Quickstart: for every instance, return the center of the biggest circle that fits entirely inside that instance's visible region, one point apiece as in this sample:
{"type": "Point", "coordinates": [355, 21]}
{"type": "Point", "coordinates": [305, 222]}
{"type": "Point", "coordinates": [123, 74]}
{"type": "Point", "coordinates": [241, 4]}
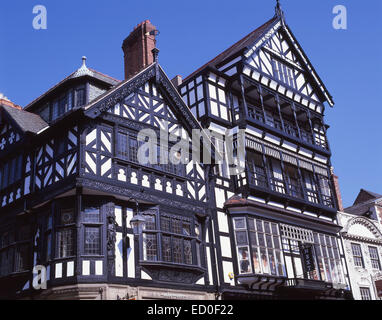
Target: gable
{"type": "Point", "coordinates": [149, 98]}
{"type": "Point", "coordinates": [364, 196]}
{"type": "Point", "coordinates": [360, 227]}
{"type": "Point", "coordinates": [278, 57]}
{"type": "Point", "coordinates": [360, 231]}
{"type": "Point", "coordinates": [146, 105]}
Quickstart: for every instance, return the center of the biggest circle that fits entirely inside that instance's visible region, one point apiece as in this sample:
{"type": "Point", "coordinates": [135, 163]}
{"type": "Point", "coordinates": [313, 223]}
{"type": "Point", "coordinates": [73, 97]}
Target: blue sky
{"type": "Point", "coordinates": [193, 32]}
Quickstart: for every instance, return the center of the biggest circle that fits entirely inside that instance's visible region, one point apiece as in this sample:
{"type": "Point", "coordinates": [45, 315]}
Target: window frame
{"type": "Point", "coordinates": [365, 292]}
{"type": "Point", "coordinates": [91, 223]}
{"type": "Point", "coordinates": [157, 229]}
{"type": "Point", "coordinates": [61, 227]}
{"type": "Point", "coordinates": [357, 258]}
{"type": "Point", "coordinates": [374, 259]}
{"type": "Point", "coordinates": [178, 170]}
{"type": "Point", "coordinates": [250, 245]}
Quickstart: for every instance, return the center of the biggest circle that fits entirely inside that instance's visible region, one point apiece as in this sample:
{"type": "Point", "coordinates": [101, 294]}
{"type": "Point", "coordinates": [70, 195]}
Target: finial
{"type": "Point", "coordinates": [279, 11]}
{"type": "Point", "coordinates": [84, 61]}
{"type": "Point", "coordinates": [155, 52]}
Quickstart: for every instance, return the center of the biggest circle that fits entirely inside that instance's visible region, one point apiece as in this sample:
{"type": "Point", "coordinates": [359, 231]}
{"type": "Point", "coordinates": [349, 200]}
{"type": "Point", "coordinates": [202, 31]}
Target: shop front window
{"type": "Point", "coordinates": [258, 247]}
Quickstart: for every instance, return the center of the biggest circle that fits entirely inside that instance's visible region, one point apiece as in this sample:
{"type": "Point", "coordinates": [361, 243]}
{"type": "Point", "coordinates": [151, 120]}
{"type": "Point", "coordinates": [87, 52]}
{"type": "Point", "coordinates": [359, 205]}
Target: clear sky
{"type": "Point", "coordinates": [193, 32]}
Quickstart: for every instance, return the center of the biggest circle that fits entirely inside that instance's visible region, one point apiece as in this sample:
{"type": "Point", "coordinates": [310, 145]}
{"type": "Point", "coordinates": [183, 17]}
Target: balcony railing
{"type": "Point", "coordinates": [256, 113]}
{"type": "Point", "coordinates": [258, 178]}
{"type": "Point", "coordinates": [277, 185]}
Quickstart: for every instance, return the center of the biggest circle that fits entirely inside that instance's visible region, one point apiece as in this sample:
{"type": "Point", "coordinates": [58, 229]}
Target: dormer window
{"type": "Point", "coordinates": [284, 73]}
{"type": "Point", "coordinates": [74, 97]}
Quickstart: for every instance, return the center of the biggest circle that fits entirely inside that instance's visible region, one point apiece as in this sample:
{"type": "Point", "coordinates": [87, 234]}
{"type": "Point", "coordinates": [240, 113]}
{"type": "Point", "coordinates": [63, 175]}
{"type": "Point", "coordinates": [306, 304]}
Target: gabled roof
{"type": "Point", "coordinates": [110, 98]}
{"type": "Point", "coordinates": [363, 204]}
{"type": "Point", "coordinates": [114, 95]}
{"type": "Point", "coordinates": [365, 196]}
{"type": "Point", "coordinates": [83, 71]}
{"type": "Point", "coordinates": [245, 46]}
{"type": "Point", "coordinates": [25, 121]}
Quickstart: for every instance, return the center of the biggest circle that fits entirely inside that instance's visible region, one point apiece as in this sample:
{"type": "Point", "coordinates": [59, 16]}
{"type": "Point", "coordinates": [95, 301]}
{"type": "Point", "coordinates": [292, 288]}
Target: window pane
{"type": "Point", "coordinates": [241, 237]}
{"type": "Point", "coordinates": [133, 149]}
{"type": "Point", "coordinates": [150, 247]}
{"type": "Point", "coordinates": [272, 262]}
{"type": "Point", "coordinates": [269, 241]}
{"type": "Point", "coordinates": [67, 216]}
{"type": "Point", "coordinates": [91, 214]}
{"type": "Point", "coordinates": [276, 242]}
{"type": "Point", "coordinates": [251, 224]}
{"type": "Point", "coordinates": [166, 248]}
{"type": "Point", "coordinates": [177, 249]}
{"type": "Point", "coordinates": [122, 146]}
{"type": "Point", "coordinates": [275, 229]}
{"type": "Point", "coordinates": [65, 241]}
{"type": "Point", "coordinates": [176, 226]}
{"type": "Point", "coordinates": [264, 260]}
{"type": "Point", "coordinates": [365, 293]}
{"type": "Point", "coordinates": [150, 222]}
{"type": "Point", "coordinates": [267, 227]}
{"type": "Point", "coordinates": [256, 260]}
{"type": "Point", "coordinates": [22, 258]}
{"type": "Point", "coordinates": [165, 224]}
{"type": "Point", "coordinates": [244, 260]}
{"type": "Point", "coordinates": [261, 239]}
{"type": "Point", "coordinates": [259, 225]}
{"type": "Point", "coordinates": [280, 264]}
{"type": "Point", "coordinates": [92, 241]}
{"type": "Point", "coordinates": [239, 223]}
{"type": "Point", "coordinates": [187, 252]}
{"type": "Point", "coordinates": [186, 229]}
{"type": "Point", "coordinates": [253, 238]}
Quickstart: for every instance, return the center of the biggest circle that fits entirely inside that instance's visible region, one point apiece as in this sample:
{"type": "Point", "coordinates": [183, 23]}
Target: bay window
{"type": "Point", "coordinates": [179, 238]}
{"type": "Point", "coordinates": [258, 247]}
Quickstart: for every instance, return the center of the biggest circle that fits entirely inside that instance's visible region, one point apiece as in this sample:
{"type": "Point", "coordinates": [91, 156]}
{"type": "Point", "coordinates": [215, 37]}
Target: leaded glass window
{"type": "Point", "coordinates": [92, 241]}
{"type": "Point", "coordinates": [65, 243]}
{"type": "Point", "coordinates": [91, 215]}
{"type": "Point", "coordinates": [178, 238]}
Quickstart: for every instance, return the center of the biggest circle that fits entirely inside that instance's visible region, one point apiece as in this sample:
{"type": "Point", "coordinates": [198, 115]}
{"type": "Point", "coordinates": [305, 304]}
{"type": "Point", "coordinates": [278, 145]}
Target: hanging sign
{"type": "Point", "coordinates": [306, 251]}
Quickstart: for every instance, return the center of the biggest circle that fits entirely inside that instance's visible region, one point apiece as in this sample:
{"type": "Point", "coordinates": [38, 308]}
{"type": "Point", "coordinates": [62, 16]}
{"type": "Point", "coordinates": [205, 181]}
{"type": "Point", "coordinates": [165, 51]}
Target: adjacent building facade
{"type": "Point", "coordinates": [362, 239]}
{"type": "Point", "coordinates": [71, 181]}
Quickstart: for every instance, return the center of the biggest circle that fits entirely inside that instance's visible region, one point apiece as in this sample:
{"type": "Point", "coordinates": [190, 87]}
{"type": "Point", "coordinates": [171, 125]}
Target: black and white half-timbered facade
{"type": "Point", "coordinates": [71, 181]}
{"type": "Point", "coordinates": [276, 222]}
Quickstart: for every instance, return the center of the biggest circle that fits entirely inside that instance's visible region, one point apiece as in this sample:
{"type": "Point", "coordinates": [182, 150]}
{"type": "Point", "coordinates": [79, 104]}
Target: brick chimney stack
{"type": "Point", "coordinates": [137, 48]}
{"type": "Point", "coordinates": [337, 191]}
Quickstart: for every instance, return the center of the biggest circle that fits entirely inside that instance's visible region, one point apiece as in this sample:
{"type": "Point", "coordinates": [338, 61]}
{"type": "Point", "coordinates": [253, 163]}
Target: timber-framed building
{"type": "Point", "coordinates": [71, 181]}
